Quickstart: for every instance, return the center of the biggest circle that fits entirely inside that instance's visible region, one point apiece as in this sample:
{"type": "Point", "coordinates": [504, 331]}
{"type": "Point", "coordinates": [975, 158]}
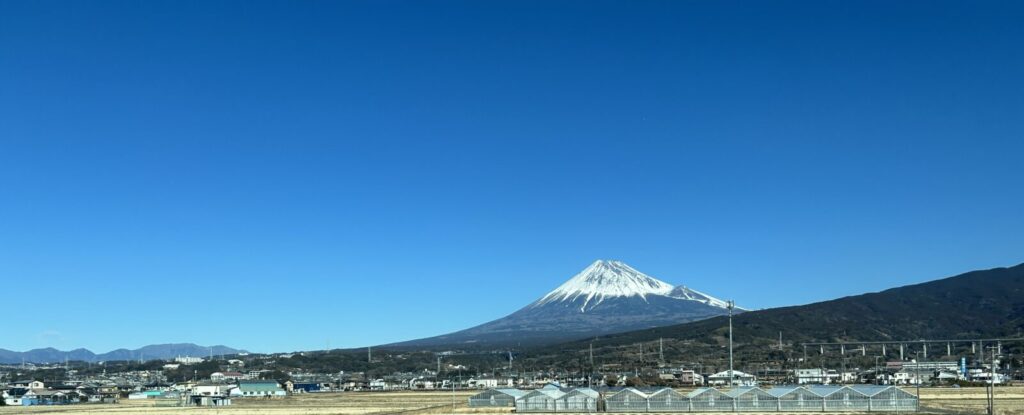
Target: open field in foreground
{"type": "Point", "coordinates": [1010, 401]}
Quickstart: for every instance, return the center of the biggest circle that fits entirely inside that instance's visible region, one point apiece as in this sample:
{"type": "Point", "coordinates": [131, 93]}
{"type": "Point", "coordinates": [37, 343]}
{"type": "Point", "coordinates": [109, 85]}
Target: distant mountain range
{"type": "Point", "coordinates": [606, 297]}
{"type": "Point", "coordinates": [977, 304]}
{"type": "Point", "coordinates": [151, 352]}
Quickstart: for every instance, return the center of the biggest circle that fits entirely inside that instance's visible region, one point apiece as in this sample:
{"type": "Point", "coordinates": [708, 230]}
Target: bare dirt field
{"type": "Point", "coordinates": [1009, 401]}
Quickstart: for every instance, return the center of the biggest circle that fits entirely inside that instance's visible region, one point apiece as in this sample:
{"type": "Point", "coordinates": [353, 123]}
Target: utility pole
{"type": "Point", "coordinates": [590, 377]}
{"type": "Point", "coordinates": [990, 390]}
{"type": "Point", "coordinates": [917, 377]}
{"type": "Point", "coordinates": [876, 369]}
{"type": "Point", "coordinates": [732, 304]}
{"type": "Point", "coordinates": [369, 354]}
{"type": "Point", "coordinates": [661, 351]}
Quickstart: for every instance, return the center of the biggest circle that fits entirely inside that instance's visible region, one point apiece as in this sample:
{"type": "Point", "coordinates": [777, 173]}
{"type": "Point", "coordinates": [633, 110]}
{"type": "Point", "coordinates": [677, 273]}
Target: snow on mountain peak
{"type": "Point", "coordinates": [604, 279]}
{"type": "Point", "coordinates": [684, 293]}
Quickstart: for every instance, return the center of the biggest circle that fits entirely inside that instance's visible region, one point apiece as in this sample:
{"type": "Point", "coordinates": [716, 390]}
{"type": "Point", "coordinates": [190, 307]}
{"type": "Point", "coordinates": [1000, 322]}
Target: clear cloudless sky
{"type": "Point", "coordinates": [290, 175]}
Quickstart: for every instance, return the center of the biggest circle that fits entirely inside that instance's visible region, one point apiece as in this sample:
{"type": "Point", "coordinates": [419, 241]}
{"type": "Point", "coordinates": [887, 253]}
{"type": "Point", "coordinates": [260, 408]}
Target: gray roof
{"type": "Point", "coordinates": [630, 391]}
{"type": "Point", "coordinates": [515, 393]}
{"type": "Point", "coordinates": [664, 391]}
{"type": "Point", "coordinates": [823, 390]}
{"type": "Point", "coordinates": [870, 390]}
{"type": "Point", "coordinates": [782, 390]}
{"type": "Point", "coordinates": [742, 390]}
{"type": "Point", "coordinates": [701, 391]}
{"type": "Point", "coordinates": [552, 393]}
{"type": "Point", "coordinates": [585, 391]}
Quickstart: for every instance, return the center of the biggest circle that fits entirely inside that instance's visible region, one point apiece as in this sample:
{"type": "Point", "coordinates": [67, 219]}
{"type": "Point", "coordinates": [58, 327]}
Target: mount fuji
{"type": "Point", "coordinates": [606, 297]}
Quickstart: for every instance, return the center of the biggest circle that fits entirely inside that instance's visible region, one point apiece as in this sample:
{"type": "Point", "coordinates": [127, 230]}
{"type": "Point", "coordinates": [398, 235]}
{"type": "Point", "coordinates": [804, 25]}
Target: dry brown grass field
{"type": "Point", "coordinates": [1010, 401]}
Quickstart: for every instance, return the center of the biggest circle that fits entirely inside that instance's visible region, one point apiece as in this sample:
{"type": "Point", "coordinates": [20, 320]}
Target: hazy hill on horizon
{"type": "Point", "coordinates": [150, 352]}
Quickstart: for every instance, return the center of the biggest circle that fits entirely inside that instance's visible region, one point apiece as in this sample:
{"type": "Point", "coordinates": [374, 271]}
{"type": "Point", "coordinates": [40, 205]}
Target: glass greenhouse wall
{"type": "Point", "coordinates": [796, 399]}
{"type": "Point", "coordinates": [580, 400]}
{"type": "Point", "coordinates": [496, 398]}
{"type": "Point", "coordinates": [541, 401]}
{"type": "Point", "coordinates": [752, 399]}
{"type": "Point", "coordinates": [668, 400]}
{"type": "Point", "coordinates": [814, 398]}
{"type": "Point", "coordinates": [627, 400]}
{"type": "Point", "coordinates": [709, 400]}
{"type": "Point", "coordinates": [847, 399]}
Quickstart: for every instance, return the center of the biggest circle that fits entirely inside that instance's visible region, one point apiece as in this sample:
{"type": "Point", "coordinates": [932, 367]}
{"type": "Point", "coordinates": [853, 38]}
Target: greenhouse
{"type": "Point", "coordinates": [888, 398]}
{"type": "Point", "coordinates": [627, 400]}
{"type": "Point", "coordinates": [847, 399]}
{"type": "Point", "coordinates": [541, 400]}
{"type": "Point", "coordinates": [667, 400]}
{"type": "Point", "coordinates": [579, 400]}
{"type": "Point", "coordinates": [795, 399]}
{"type": "Point", "coordinates": [810, 398]}
{"type": "Point", "coordinates": [709, 400]}
{"type": "Point", "coordinates": [752, 398]}
{"type": "Point", "coordinates": [496, 398]}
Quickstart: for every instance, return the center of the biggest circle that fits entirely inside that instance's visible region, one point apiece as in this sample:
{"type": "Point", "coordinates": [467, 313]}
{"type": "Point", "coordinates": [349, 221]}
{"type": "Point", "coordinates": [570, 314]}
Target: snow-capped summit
{"type": "Point", "coordinates": [604, 279]}
{"type": "Point", "coordinates": [684, 293]}
{"type": "Point", "coordinates": [606, 297]}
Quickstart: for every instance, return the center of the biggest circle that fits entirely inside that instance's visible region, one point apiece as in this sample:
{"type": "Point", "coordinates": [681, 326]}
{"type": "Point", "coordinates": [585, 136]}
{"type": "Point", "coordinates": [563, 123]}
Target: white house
{"type": "Point", "coordinates": [689, 377]}
{"type": "Point", "coordinates": [810, 376]}
{"type": "Point", "coordinates": [483, 383]}
{"type": "Point", "coordinates": [188, 360]}
{"type": "Point", "coordinates": [211, 389]}
{"type": "Point", "coordinates": [738, 378]}
{"type": "Point", "coordinates": [226, 376]}
{"type": "Point", "coordinates": [258, 388]}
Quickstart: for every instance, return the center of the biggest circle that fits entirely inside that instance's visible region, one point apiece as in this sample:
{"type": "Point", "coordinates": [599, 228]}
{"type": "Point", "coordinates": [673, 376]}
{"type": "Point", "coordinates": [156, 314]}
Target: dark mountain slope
{"type": "Point", "coordinates": [986, 303]}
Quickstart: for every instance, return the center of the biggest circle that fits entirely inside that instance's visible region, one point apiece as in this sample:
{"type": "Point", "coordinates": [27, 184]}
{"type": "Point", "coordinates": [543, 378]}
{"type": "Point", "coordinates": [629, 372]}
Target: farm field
{"type": "Point", "coordinates": [1010, 401]}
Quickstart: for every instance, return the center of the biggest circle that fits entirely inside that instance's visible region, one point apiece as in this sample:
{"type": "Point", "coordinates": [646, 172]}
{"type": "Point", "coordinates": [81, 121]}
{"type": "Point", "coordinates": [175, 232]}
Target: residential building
{"type": "Point", "coordinates": [258, 388]}
{"type": "Point", "coordinates": [738, 378]}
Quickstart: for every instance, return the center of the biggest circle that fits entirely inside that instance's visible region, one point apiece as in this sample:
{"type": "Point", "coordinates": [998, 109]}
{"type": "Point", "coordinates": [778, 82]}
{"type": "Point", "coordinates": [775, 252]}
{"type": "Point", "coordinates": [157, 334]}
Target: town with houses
{"type": "Point", "coordinates": [60, 384]}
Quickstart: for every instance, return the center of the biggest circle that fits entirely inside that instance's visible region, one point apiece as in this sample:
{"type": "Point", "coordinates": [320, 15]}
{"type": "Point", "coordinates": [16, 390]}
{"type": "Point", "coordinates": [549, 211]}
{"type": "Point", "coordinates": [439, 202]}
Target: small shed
{"type": "Point", "coordinates": [496, 398]}
{"type": "Point", "coordinates": [667, 400]}
{"type": "Point", "coordinates": [709, 400]}
{"type": "Point", "coordinates": [627, 400]}
{"type": "Point", "coordinates": [752, 399]}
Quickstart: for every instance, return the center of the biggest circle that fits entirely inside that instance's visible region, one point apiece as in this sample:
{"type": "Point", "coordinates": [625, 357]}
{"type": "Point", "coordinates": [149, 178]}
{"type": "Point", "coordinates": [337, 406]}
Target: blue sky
{"type": "Point", "coordinates": [286, 175]}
